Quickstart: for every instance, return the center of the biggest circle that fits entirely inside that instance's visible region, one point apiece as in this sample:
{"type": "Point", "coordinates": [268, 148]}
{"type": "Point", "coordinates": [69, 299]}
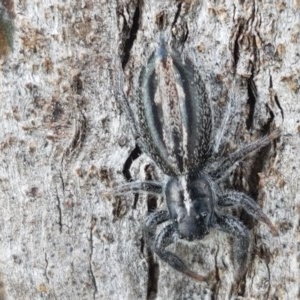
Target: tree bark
{"type": "Point", "coordinates": [64, 139]}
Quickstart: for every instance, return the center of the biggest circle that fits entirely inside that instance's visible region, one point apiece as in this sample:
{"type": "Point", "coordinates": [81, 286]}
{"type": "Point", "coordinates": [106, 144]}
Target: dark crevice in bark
{"type": "Point", "coordinates": [93, 222]}
{"type": "Point", "coordinates": [132, 36]}
{"type": "Point", "coordinates": [46, 267]}
{"type": "Point", "coordinates": [142, 244]}
{"type": "Point", "coordinates": [151, 200]}
{"type": "Point", "coordinates": [179, 29]}
{"type": "Point", "coordinates": [269, 280]}
{"type": "Point", "coordinates": [276, 97]}
{"type": "Point", "coordinates": [153, 267]}
{"type": "Point", "coordinates": [216, 286]}
{"type": "Point", "coordinates": [279, 106]}
{"type": "Point", "coordinates": [267, 126]}
{"type": "Point", "coordinates": [236, 43]}
{"type": "Point", "coordinates": [119, 208]}
{"type": "Point", "coordinates": [59, 212]}
{"type": "Point", "coordinates": [177, 14]}
{"type": "Point", "coordinates": [135, 153]}
{"type": "Point", "coordinates": [62, 182]}
{"type": "Point", "coordinates": [152, 203]}
{"type": "Point", "coordinates": [59, 208]}
{"type": "Point", "coordinates": [252, 96]}
{"type": "Point", "coordinates": [153, 275]}
{"type": "Point", "coordinates": [77, 85]}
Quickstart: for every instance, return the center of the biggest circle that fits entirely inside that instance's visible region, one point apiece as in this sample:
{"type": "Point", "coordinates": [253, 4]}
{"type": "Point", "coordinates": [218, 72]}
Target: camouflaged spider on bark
{"type": "Point", "coordinates": [174, 126]}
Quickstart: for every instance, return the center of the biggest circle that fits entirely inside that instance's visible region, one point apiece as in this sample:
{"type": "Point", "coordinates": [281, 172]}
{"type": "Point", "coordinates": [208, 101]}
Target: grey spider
{"type": "Point", "coordinates": [173, 125]}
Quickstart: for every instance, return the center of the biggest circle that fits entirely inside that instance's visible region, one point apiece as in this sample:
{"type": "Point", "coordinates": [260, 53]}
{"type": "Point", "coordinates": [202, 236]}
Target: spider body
{"type": "Point", "coordinates": [174, 126]}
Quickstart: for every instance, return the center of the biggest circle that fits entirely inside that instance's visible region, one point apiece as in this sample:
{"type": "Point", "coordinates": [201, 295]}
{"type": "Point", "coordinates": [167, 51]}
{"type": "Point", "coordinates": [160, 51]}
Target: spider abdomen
{"type": "Point", "coordinates": [175, 119]}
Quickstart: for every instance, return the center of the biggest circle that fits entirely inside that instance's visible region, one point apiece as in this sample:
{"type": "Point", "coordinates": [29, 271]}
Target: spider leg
{"type": "Point", "coordinates": [249, 205]}
{"type": "Point", "coordinates": [151, 223]}
{"type": "Point", "coordinates": [166, 237]}
{"type": "Point", "coordinates": [220, 133]}
{"type": "Point", "coordinates": [223, 166]}
{"type": "Point", "coordinates": [149, 187]}
{"type": "Point", "coordinates": [241, 240]}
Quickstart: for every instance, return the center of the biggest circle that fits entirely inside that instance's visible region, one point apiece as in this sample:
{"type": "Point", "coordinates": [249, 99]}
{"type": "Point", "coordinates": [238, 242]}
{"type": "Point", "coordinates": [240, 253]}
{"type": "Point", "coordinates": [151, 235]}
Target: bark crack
{"type": "Point", "coordinates": [153, 266]}
{"type": "Point", "coordinates": [58, 205]}
{"type": "Point", "coordinates": [59, 212]}
{"type": "Point", "coordinates": [279, 106]}
{"type": "Point", "coordinates": [216, 286]}
{"type": "Point", "coordinates": [46, 268]}
{"type": "Point", "coordinates": [136, 152]}
{"type": "Point", "coordinates": [91, 240]}
{"type": "Point", "coordinates": [235, 44]}
{"type": "Point", "coordinates": [275, 97]}
{"type": "Point", "coordinates": [153, 275]}
{"type": "Point", "coordinates": [269, 280]}
{"type": "Point", "coordinates": [177, 14]}
{"type": "Point", "coordinates": [252, 96]}
{"type": "Point", "coordinates": [132, 36]}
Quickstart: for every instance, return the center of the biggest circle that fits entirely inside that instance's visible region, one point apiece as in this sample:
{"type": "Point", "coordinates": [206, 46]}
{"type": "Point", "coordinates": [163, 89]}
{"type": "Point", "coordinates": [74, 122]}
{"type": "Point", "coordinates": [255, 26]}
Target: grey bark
{"type": "Point", "coordinates": [64, 139]}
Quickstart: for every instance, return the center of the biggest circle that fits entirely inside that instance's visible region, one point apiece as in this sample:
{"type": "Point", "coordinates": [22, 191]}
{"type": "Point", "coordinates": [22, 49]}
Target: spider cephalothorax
{"type": "Point", "coordinates": [173, 126]}
{"type": "Point", "coordinates": [190, 202]}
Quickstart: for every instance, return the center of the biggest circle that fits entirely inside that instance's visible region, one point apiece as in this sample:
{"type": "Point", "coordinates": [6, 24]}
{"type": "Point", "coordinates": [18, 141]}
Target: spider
{"type": "Point", "coordinates": [174, 126]}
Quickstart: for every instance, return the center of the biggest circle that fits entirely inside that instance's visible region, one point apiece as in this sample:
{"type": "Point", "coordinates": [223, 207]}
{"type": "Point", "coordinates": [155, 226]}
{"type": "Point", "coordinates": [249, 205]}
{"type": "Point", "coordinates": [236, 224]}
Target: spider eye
{"type": "Point", "coordinates": [203, 214]}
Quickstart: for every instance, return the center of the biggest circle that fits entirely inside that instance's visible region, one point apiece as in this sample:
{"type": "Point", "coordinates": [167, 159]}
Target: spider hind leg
{"type": "Point", "coordinates": [166, 237]}
{"type": "Point", "coordinates": [240, 234]}
{"type": "Point", "coordinates": [233, 198]}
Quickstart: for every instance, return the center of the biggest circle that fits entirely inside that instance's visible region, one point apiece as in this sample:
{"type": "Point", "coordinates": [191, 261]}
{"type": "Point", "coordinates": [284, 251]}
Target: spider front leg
{"type": "Point", "coordinates": [241, 240]}
{"type": "Point", "coordinates": [166, 237]}
{"type": "Point", "coordinates": [249, 205]}
{"type": "Point", "coordinates": [149, 187]}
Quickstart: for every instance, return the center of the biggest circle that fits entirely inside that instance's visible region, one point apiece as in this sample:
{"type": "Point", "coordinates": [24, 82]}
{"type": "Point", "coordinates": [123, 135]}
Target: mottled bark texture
{"type": "Point", "coordinates": [64, 139]}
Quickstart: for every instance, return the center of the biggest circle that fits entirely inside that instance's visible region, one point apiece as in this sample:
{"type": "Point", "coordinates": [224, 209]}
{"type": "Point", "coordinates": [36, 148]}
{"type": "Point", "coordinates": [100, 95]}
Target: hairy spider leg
{"type": "Point", "coordinates": [240, 234]}
{"type": "Point", "coordinates": [224, 165]}
{"type": "Point", "coordinates": [151, 223]}
{"type": "Point", "coordinates": [220, 132]}
{"type": "Point", "coordinates": [166, 237]}
{"type": "Point", "coordinates": [149, 187]}
{"type": "Point", "coordinates": [233, 198]}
